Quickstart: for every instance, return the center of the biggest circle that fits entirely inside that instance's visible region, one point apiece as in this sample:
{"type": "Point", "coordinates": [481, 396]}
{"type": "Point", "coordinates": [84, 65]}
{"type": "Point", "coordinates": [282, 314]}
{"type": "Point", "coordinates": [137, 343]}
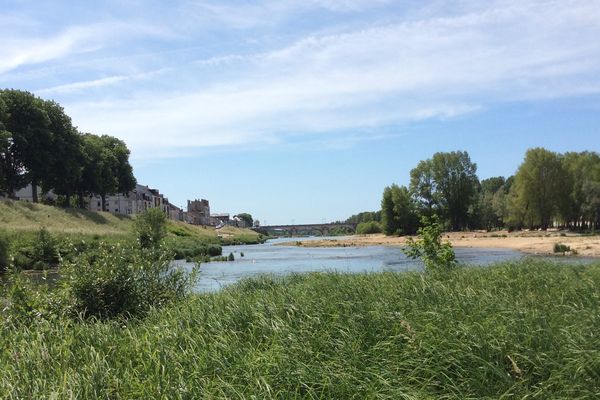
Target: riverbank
{"type": "Point", "coordinates": [525, 329]}
{"type": "Point", "coordinates": [68, 232]}
{"type": "Point", "coordinates": [534, 243]}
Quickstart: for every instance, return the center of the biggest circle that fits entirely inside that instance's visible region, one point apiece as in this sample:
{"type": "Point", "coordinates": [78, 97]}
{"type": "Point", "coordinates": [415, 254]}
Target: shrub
{"type": "Point", "coordinates": [40, 252]}
{"type": "Point", "coordinates": [561, 248]}
{"type": "Point", "coordinates": [231, 257]}
{"type": "Point", "coordinates": [365, 228]}
{"type": "Point", "coordinates": [26, 302]}
{"type": "Point", "coordinates": [151, 228]}
{"type": "Point", "coordinates": [437, 256]}
{"type": "Point", "coordinates": [122, 281]}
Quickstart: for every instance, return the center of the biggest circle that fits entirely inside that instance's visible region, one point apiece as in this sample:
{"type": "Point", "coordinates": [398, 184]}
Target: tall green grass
{"type": "Point", "coordinates": [528, 329]}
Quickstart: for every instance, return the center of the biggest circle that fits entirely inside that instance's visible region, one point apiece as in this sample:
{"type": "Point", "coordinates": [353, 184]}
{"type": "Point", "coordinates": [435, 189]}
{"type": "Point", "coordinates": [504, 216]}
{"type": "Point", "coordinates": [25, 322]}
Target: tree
{"type": "Point", "coordinates": [12, 171]}
{"type": "Point", "coordinates": [29, 126]}
{"type": "Point", "coordinates": [247, 218]}
{"type": "Point", "coordinates": [486, 215]}
{"type": "Point", "coordinates": [106, 169]}
{"type": "Point", "coordinates": [446, 184]}
{"type": "Point", "coordinates": [541, 184]}
{"type": "Point", "coordinates": [438, 257]}
{"type": "Point", "coordinates": [584, 172]}
{"type": "Point", "coordinates": [66, 165]}
{"type": "Point", "coordinates": [365, 228]}
{"type": "Point", "coordinates": [366, 216]}
{"type": "Point", "coordinates": [423, 187]}
{"type": "Point", "coordinates": [398, 211]}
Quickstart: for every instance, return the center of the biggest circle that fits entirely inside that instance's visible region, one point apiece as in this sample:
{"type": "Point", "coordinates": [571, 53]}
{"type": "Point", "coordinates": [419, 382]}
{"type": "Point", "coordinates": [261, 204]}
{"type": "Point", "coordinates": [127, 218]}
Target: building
{"type": "Point", "coordinates": [220, 219]}
{"type": "Point", "coordinates": [175, 213]}
{"type": "Point", "coordinates": [137, 201]}
{"type": "Point", "coordinates": [26, 194]}
{"type": "Point", "coordinates": [198, 212]}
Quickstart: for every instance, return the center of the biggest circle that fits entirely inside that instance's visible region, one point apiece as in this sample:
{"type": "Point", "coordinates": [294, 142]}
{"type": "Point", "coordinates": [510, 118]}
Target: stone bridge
{"type": "Point", "coordinates": [294, 230]}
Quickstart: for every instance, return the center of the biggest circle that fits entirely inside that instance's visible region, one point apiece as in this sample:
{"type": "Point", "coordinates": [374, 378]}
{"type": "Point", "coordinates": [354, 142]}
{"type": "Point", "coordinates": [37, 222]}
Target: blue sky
{"type": "Point", "coordinates": [303, 111]}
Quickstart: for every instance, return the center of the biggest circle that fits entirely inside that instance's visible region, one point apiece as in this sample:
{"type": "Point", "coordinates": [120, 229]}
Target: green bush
{"type": "Point", "coordinates": [150, 228]}
{"type": "Point", "coordinates": [198, 252]}
{"type": "Point", "coordinates": [365, 228]}
{"type": "Point", "coordinates": [437, 256]}
{"type": "Point", "coordinates": [561, 248]}
{"type": "Point", "coordinates": [123, 281]}
{"type": "Point", "coordinates": [231, 257]}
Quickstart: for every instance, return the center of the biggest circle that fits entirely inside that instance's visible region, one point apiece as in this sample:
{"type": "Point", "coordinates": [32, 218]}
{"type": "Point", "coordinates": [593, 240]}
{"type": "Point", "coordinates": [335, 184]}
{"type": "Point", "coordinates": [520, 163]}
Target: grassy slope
{"type": "Point", "coordinates": [527, 329]}
{"type": "Point", "coordinates": [22, 216]}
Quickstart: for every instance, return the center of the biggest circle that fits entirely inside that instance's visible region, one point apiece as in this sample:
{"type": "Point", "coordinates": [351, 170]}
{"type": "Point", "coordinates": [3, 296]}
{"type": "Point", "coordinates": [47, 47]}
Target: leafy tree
{"type": "Point", "coordinates": [485, 214]}
{"type": "Point", "coordinates": [438, 257]}
{"type": "Point", "coordinates": [29, 126]}
{"type": "Point", "coordinates": [12, 171]}
{"type": "Point", "coordinates": [424, 188]}
{"type": "Point", "coordinates": [365, 228]}
{"type": "Point", "coordinates": [66, 165]}
{"type": "Point", "coordinates": [398, 211]}
{"type": "Point", "coordinates": [366, 216]}
{"type": "Point", "coordinates": [447, 184]}
{"type": "Point", "coordinates": [97, 174]}
{"type": "Point", "coordinates": [577, 210]}
{"type": "Point", "coordinates": [247, 218]}
{"type": "Point", "coordinates": [541, 184]}
{"type": "Point", "coordinates": [106, 169]}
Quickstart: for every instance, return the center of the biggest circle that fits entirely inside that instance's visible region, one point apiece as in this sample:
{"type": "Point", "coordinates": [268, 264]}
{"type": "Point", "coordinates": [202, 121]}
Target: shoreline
{"type": "Point", "coordinates": [528, 242]}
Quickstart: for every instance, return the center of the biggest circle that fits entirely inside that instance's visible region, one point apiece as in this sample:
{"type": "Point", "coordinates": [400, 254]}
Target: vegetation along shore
{"type": "Point", "coordinates": [516, 330]}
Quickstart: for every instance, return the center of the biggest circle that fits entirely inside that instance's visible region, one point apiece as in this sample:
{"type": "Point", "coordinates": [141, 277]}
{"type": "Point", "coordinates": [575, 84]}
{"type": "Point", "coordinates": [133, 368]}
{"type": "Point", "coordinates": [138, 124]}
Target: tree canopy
{"type": "Point", "coordinates": [548, 189]}
{"type": "Point", "coordinates": [40, 146]}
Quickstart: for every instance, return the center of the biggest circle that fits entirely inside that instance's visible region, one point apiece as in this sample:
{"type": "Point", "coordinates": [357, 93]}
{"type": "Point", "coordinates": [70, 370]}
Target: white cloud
{"type": "Point", "coordinates": [17, 51]}
{"type": "Point", "coordinates": [387, 71]}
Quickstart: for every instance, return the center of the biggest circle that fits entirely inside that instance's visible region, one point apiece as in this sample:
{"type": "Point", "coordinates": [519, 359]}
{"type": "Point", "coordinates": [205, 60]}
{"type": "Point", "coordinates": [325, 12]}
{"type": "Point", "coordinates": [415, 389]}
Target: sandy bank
{"type": "Point", "coordinates": [541, 243]}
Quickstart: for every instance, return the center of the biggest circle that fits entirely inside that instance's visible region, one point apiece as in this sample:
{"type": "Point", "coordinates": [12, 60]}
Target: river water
{"type": "Point", "coordinates": [281, 260]}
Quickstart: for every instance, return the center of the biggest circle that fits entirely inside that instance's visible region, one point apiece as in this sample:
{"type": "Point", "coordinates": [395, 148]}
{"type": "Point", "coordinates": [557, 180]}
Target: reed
{"type": "Point", "coordinates": [527, 329]}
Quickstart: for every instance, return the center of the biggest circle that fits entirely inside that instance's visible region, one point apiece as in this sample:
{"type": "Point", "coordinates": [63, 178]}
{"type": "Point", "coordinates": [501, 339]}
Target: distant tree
{"type": "Point", "coordinates": [12, 171]}
{"type": "Point", "coordinates": [446, 184]}
{"type": "Point", "coordinates": [31, 137]}
{"type": "Point", "coordinates": [366, 216]}
{"type": "Point", "coordinates": [365, 228]}
{"type": "Point", "coordinates": [105, 167]}
{"type": "Point", "coordinates": [398, 211]}
{"type": "Point", "coordinates": [578, 209]}
{"type": "Point", "coordinates": [247, 218]}
{"type": "Point", "coordinates": [541, 184]}
{"type": "Point", "coordinates": [424, 188]}
{"type": "Point", "coordinates": [66, 166]}
{"type": "Point", "coordinates": [98, 173]}
{"type": "Point", "coordinates": [492, 185]}
{"type": "Point", "coordinates": [122, 169]}
{"type": "Point", "coordinates": [485, 214]}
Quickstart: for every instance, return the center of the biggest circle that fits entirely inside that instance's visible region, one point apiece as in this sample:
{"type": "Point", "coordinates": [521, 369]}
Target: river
{"type": "Point", "coordinates": [281, 260]}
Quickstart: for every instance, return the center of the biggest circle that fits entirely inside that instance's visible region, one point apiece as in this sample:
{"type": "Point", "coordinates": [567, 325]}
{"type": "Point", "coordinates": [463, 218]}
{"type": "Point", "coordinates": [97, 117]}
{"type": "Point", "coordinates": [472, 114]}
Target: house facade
{"type": "Point", "coordinates": [137, 201]}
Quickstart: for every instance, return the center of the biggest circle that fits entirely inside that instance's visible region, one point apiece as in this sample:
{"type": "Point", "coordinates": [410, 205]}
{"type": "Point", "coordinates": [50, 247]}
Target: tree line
{"type": "Point", "coordinates": [40, 146]}
{"type": "Point", "coordinates": [548, 189]}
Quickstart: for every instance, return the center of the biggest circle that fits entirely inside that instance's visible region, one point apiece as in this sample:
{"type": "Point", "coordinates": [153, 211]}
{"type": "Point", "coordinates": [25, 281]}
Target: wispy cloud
{"type": "Point", "coordinates": [394, 67]}
{"type": "Point", "coordinates": [23, 50]}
